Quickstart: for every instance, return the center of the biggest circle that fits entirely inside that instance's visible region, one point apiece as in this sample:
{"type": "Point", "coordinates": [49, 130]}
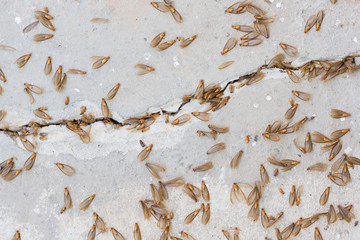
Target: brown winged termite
{"type": "Point", "coordinates": [99, 222]}
{"type": "Point", "coordinates": [165, 45]}
{"type": "Point", "coordinates": [292, 196]}
{"type": "Point", "coordinates": [155, 194]}
{"type": "Point", "coordinates": [41, 114]}
{"type": "Point", "coordinates": [275, 137]}
{"type": "Point", "coordinates": [116, 234]}
{"type": "Point", "coordinates": [236, 194]}
{"type": "Point", "coordinates": [288, 49]}
{"type": "Point", "coordinates": [254, 211]}
{"type": "Point", "coordinates": [100, 62]}
{"type": "Point", "coordinates": [157, 39]}
{"type": "Point", "coordinates": [204, 167]}
{"type": "Point", "coordinates": [111, 94]}
{"type": "Point", "coordinates": [320, 167]}
{"type": "Point", "coordinates": [165, 234]}
{"type": "Point", "coordinates": [86, 202]}
{"type": "Point", "coordinates": [335, 149]}
{"type": "Point", "coordinates": [216, 148]}
{"type": "Point", "coordinates": [44, 19]}
{"type": "Point", "coordinates": [42, 37]}
{"type": "Point", "coordinates": [27, 144]}
{"type": "Point", "coordinates": [256, 78]}
{"type": "Point", "coordinates": [31, 97]}
{"type": "Point", "coordinates": [66, 169]}
{"type": "Point", "coordinates": [67, 199]}
{"type": "Point", "coordinates": [286, 233]}
{"type": "Point", "coordinates": [163, 191]}
{"type": "Point", "coordinates": [238, 8]}
{"type": "Point", "coordinates": [336, 113]}
{"type": "Point", "coordinates": [254, 10]}
{"type": "Point", "coordinates": [175, 182]}
{"type": "Point", "coordinates": [181, 120]}
{"type": "Point", "coordinates": [2, 114]}
{"type": "Point", "coordinates": [339, 163]}
{"type": "Point", "coordinates": [225, 64]}
{"type": "Point", "coordinates": [75, 71]}
{"type": "Point", "coordinates": [261, 28]}
{"type": "Point", "coordinates": [105, 109]}
{"type": "Point", "coordinates": [176, 15]}
{"type": "Point", "coordinates": [144, 69]}
{"type": "Point", "coordinates": [206, 214]}
{"type": "Point", "coordinates": [318, 137]}
{"type": "Point", "coordinates": [99, 20]}
{"type": "Point", "coordinates": [189, 218]}
{"type": "Point", "coordinates": [30, 27]}
{"type": "Point", "coordinates": [57, 76]}
{"type": "Point", "coordinates": [251, 42]}
{"type": "Point", "coordinates": [301, 95]}
{"type": "Point", "coordinates": [331, 215]}
{"type": "Point", "coordinates": [29, 163]}
{"type": "Point", "coordinates": [335, 178]}
{"type": "Point", "coordinates": [61, 84]}
{"type": "Point", "coordinates": [317, 234]}
{"type": "Point", "coordinates": [339, 133]}
{"type": "Point", "coordinates": [293, 77]}
{"type": "Point", "coordinates": [308, 146]}
{"type": "Point", "coordinates": [344, 213]}
{"type": "Point", "coordinates": [203, 116]}
{"type": "Point", "coordinates": [243, 28]}
{"type": "Point", "coordinates": [92, 233]}
{"type": "Point", "coordinates": [236, 159]}
{"type": "Point", "coordinates": [145, 153]}
{"type": "Point", "coordinates": [187, 41]}
{"type": "Point", "coordinates": [345, 174]}
{"type": "Point", "coordinates": [35, 89]}
{"type": "Point", "coordinates": [291, 112]}
{"type": "Point", "coordinates": [230, 44]}
{"type": "Point", "coordinates": [218, 129]}
{"type": "Point", "coordinates": [21, 61]}
{"type": "Point", "coordinates": [277, 60]}
{"type": "Point", "coordinates": [249, 36]}
{"type": "Point", "coordinates": [8, 48]}
{"type": "Point", "coordinates": [16, 236]}
{"type": "Point", "coordinates": [264, 175]}
{"type": "Point", "coordinates": [192, 192]}
{"type": "Point", "coordinates": [324, 196]}
{"type": "Point", "coordinates": [253, 196]}
{"type": "Point", "coordinates": [352, 160]}
{"type": "Point", "coordinates": [154, 169]}
{"type": "Point", "coordinates": [310, 23]}
{"type": "Point", "coordinates": [12, 174]}
{"type": "Point", "coordinates": [205, 192]}
{"type": "Point", "coordinates": [161, 6]}
{"type": "Point", "coordinates": [319, 19]}
{"type": "Point", "coordinates": [187, 236]}
{"type": "Point", "coordinates": [145, 209]}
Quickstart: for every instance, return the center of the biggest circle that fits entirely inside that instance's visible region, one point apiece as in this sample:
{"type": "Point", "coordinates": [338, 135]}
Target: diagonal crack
{"type": "Point", "coordinates": [63, 122]}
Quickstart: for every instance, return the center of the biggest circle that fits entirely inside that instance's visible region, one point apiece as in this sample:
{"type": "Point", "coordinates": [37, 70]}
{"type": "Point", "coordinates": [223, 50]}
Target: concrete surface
{"type": "Point", "coordinates": [108, 165]}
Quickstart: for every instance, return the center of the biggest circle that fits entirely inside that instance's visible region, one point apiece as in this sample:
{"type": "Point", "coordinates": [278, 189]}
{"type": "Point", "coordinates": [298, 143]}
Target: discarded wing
{"type": "Point", "coordinates": [216, 148]}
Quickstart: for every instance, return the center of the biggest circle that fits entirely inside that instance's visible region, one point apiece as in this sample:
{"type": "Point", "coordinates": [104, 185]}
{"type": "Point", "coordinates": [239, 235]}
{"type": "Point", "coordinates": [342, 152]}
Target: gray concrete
{"type": "Point", "coordinates": [108, 165]}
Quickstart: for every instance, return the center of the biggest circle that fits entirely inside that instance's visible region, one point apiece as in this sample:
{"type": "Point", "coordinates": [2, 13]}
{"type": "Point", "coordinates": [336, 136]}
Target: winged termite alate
{"type": "Point", "coordinates": [116, 234]}
{"type": "Point", "coordinates": [176, 15]}
{"type": "Point", "coordinates": [41, 114]}
{"type": "Point", "coordinates": [293, 77]}
{"type": "Point", "coordinates": [144, 69]}
{"type": "Point", "coordinates": [56, 80]}
{"type": "Point", "coordinates": [67, 199]}
{"type": "Point", "coordinates": [35, 89]}
{"type": "Point", "coordinates": [100, 62]}
{"type": "Point", "coordinates": [165, 45]}
{"type": "Point", "coordinates": [264, 175]}
{"type": "Point", "coordinates": [21, 61]}
{"type": "Point", "coordinates": [92, 233]}
{"type": "Point", "coordinates": [86, 202]}
{"type": "Point", "coordinates": [226, 64]}
{"type": "Point", "coordinates": [206, 214]}
{"type": "Point", "coordinates": [157, 39]}
{"type": "Point", "coordinates": [230, 44]}
{"type": "Point", "coordinates": [310, 23]}
{"type": "Point", "coordinates": [291, 112]}
{"type": "Point", "coordinates": [236, 159]}
{"type": "Point", "coordinates": [189, 218]}
{"type": "Point", "coordinates": [29, 163]}
{"type": "Point", "coordinates": [339, 133]}
{"type": "Point", "coordinates": [216, 148]}
{"type": "Point", "coordinates": [251, 42]}
{"type": "Point", "coordinates": [181, 120]}
{"type": "Point", "coordinates": [66, 169]}
{"type": "Point", "coordinates": [320, 17]}
{"type": "Point", "coordinates": [27, 144]}
{"type": "Point", "coordinates": [288, 49]}
{"type": "Point", "coordinates": [336, 113]}
{"type": "Point", "coordinates": [301, 95]}
{"type": "Point", "coordinates": [203, 116]}
{"type": "Point", "coordinates": [31, 97]}
{"type": "Point", "coordinates": [99, 222]}
{"type": "Point", "coordinates": [204, 167]}
{"type": "Point", "coordinates": [187, 41]}
{"type": "Point", "coordinates": [42, 37]}
{"type": "Point", "coordinates": [254, 212]}
{"type": "Point", "coordinates": [145, 153]}
{"type": "Point", "coordinates": [154, 169]}
{"type": "Point", "coordinates": [16, 236]}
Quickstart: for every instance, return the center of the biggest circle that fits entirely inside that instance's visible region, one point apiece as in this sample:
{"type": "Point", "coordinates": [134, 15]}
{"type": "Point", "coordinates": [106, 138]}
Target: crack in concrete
{"type": "Point", "coordinates": [113, 121]}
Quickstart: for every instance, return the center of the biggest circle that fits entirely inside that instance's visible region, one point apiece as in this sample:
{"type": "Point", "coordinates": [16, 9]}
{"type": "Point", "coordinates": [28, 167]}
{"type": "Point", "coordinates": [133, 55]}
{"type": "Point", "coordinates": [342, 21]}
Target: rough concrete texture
{"type": "Point", "coordinates": [108, 166]}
